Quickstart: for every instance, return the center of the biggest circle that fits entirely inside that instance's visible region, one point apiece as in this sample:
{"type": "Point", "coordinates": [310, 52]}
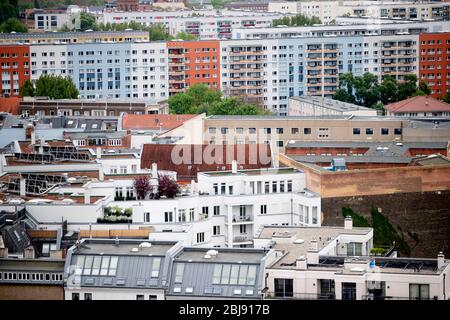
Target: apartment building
{"type": "Point", "coordinates": [205, 24]}
{"type": "Point", "coordinates": [103, 269]}
{"type": "Point", "coordinates": [51, 20]}
{"type": "Point", "coordinates": [268, 72]}
{"type": "Point", "coordinates": [192, 62]}
{"type": "Point", "coordinates": [73, 37]}
{"type": "Point", "coordinates": [107, 70]}
{"type": "Point", "coordinates": [335, 263]}
{"type": "Point", "coordinates": [14, 68]}
{"type": "Point", "coordinates": [434, 62]}
{"type": "Point", "coordinates": [345, 26]}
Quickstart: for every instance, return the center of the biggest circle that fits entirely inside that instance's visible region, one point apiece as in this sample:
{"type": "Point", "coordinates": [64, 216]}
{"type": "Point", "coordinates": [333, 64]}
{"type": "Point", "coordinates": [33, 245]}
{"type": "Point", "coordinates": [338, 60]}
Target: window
{"type": "Point", "coordinates": [200, 237]}
{"type": "Point", "coordinates": [251, 130]}
{"type": "Point", "coordinates": [263, 209]}
{"type": "Point", "coordinates": [284, 287]}
{"type": "Point", "coordinates": [397, 131]}
{"type": "Point", "coordinates": [217, 273]}
{"type": "Point", "coordinates": [96, 265]}
{"type": "Point", "coordinates": [75, 296]}
{"type": "Point", "coordinates": [267, 187]}
{"type": "Point", "coordinates": [179, 273]}
{"type": "Point", "coordinates": [243, 229]}
{"type": "Point", "coordinates": [419, 291]}
{"type": "Point", "coordinates": [216, 230]}
{"type": "Point", "coordinates": [155, 267]}
{"type": "Point", "coordinates": [168, 216]}
{"type": "Point", "coordinates": [212, 130]}
{"type": "Point", "coordinates": [267, 130]}
{"type": "Point", "coordinates": [369, 131]}
{"type": "Point", "coordinates": [104, 266]}
{"type": "Point", "coordinates": [234, 274]}
{"type": "Point", "coordinates": [224, 130]}
{"type": "Point", "coordinates": [216, 210]}
{"type": "Point", "coordinates": [88, 296]}
{"type": "Point", "coordinates": [354, 249]}
{"type": "Point", "coordinates": [356, 131]}
{"type": "Point", "coordinates": [307, 130]}
{"type": "Point", "coordinates": [274, 186]}
{"type": "Point", "coordinates": [239, 130]}
{"type": "Point", "coordinates": [384, 131]}
{"type": "Point", "coordinates": [294, 130]}
{"type": "Point", "coordinates": [205, 211]}
{"type": "Point", "coordinates": [88, 265]}
{"type": "Point", "coordinates": [289, 186]}
{"type": "Point", "coordinates": [113, 266]}
{"type": "Point", "coordinates": [140, 297]}
{"type": "Point", "coordinates": [146, 216]}
{"type": "Point", "coordinates": [225, 274]}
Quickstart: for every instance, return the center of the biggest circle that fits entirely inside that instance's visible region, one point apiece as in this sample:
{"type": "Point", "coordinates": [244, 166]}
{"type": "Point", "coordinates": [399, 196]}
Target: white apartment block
{"type": "Point", "coordinates": [204, 24]}
{"type": "Point", "coordinates": [226, 208]}
{"type": "Point", "coordinates": [50, 21]}
{"type": "Point", "coordinates": [107, 70]}
{"type": "Point", "coordinates": [335, 263]}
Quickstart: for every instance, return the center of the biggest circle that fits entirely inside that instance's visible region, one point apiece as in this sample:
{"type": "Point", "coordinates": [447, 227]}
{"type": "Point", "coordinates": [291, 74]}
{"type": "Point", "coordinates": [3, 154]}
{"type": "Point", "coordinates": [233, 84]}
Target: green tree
{"type": "Point", "coordinates": [408, 87]}
{"type": "Point", "coordinates": [424, 89]}
{"type": "Point", "coordinates": [157, 32]}
{"type": "Point", "coordinates": [27, 89]}
{"type": "Point", "coordinates": [297, 20]}
{"type": "Point", "coordinates": [87, 21]}
{"type": "Point", "coordinates": [7, 10]}
{"type": "Point", "coordinates": [182, 103]}
{"type": "Point", "coordinates": [13, 24]}
{"type": "Point", "coordinates": [446, 98]}
{"type": "Point", "coordinates": [389, 90]}
{"type": "Point", "coordinates": [56, 87]}
{"type": "Point", "coordinates": [185, 36]}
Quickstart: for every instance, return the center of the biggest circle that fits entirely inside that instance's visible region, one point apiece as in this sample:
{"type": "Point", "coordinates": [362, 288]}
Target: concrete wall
{"type": "Point", "coordinates": [425, 213]}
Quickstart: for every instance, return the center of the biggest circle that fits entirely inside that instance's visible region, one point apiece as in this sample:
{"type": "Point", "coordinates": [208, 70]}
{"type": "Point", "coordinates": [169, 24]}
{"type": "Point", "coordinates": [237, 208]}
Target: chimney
{"type": "Point", "coordinates": [117, 241]}
{"type": "Point", "coordinates": [87, 196]}
{"type": "Point", "coordinates": [33, 137]}
{"type": "Point", "coordinates": [154, 170]}
{"type": "Point", "coordinates": [348, 223]}
{"type": "Point", "coordinates": [41, 146]}
{"type": "Point", "coordinates": [440, 260]}
{"type": "Point", "coordinates": [300, 263]}
{"type": "Point", "coordinates": [234, 166]}
{"type": "Point", "coordinates": [29, 253]}
{"type": "Point", "coordinates": [312, 256]}
{"type": "Point", "coordinates": [99, 152]}
{"type": "Point", "coordinates": [23, 184]}
{"type": "Point", "coordinates": [101, 175]}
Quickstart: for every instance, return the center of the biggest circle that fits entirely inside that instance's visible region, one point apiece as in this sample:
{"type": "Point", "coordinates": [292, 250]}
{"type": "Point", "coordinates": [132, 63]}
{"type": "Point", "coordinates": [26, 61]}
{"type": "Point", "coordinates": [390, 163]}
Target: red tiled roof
{"type": "Point", "coordinates": [10, 105]}
{"type": "Point", "coordinates": [418, 104]}
{"type": "Point", "coordinates": [153, 121]}
{"type": "Point", "coordinates": [188, 160]}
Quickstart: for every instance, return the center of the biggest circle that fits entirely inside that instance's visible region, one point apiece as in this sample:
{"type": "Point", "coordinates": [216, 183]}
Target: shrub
{"type": "Point", "coordinates": [167, 186]}
{"type": "Point", "coordinates": [100, 220]}
{"type": "Point", "coordinates": [142, 186]}
{"type": "Point", "coordinates": [378, 251]}
{"type": "Point", "coordinates": [128, 212]}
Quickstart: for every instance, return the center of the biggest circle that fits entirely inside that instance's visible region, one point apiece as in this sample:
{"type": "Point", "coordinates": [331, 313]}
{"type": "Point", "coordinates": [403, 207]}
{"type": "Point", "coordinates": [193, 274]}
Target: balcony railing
{"type": "Point", "coordinates": [242, 238]}
{"type": "Point", "coordinates": [242, 219]}
{"type": "Point", "coordinates": [300, 296]}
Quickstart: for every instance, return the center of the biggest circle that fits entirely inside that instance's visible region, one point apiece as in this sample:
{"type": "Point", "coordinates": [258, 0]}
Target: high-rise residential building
{"type": "Point", "coordinates": [434, 62]}
{"type": "Point", "coordinates": [14, 68]}
{"type": "Point", "coordinates": [192, 62]}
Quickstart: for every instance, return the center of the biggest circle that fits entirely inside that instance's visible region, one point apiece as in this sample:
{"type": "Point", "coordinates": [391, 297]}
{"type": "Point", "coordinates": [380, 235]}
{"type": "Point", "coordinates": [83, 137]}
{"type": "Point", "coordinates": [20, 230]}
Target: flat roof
{"type": "Point", "coordinates": [32, 264]}
{"type": "Point", "coordinates": [262, 171]}
{"type": "Point", "coordinates": [107, 246]}
{"type": "Point", "coordinates": [225, 255]}
{"type": "Point", "coordinates": [323, 235]}
{"type": "Point", "coordinates": [331, 103]}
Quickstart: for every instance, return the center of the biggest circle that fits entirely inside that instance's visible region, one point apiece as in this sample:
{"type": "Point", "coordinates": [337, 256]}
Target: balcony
{"type": "Point", "coordinates": [242, 219]}
{"type": "Point", "coordinates": [243, 238]}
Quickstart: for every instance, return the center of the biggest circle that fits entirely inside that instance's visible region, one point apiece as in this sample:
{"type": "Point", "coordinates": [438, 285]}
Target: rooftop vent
{"type": "Point", "coordinates": [207, 256]}
{"type": "Point", "coordinates": [212, 253]}
{"type": "Point", "coordinates": [135, 250]}
{"type": "Point", "coordinates": [299, 241]}
{"type": "Point", "coordinates": [145, 245]}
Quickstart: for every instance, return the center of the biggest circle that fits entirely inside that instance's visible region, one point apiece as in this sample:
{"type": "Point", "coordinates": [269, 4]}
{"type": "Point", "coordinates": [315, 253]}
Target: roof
{"type": "Point", "coordinates": [154, 121]}
{"type": "Point", "coordinates": [49, 265]}
{"type": "Point", "coordinates": [363, 144]}
{"type": "Point", "coordinates": [10, 105]}
{"type": "Point", "coordinates": [233, 273]}
{"type": "Point", "coordinates": [188, 166]}
{"type": "Point", "coordinates": [331, 103]}
{"type": "Point", "coordinates": [434, 159]}
{"type": "Point", "coordinates": [418, 104]}
{"type": "Point", "coordinates": [323, 235]}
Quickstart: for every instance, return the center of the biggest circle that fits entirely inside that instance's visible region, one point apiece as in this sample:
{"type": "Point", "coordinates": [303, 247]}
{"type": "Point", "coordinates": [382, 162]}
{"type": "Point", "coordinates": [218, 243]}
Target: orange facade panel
{"type": "Point", "coordinates": [14, 68]}
{"type": "Point", "coordinates": [434, 61]}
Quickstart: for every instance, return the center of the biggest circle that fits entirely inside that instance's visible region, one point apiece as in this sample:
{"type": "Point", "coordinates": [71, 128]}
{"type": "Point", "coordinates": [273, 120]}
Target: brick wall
{"type": "Point", "coordinates": [425, 213]}
{"type": "Point", "coordinates": [31, 292]}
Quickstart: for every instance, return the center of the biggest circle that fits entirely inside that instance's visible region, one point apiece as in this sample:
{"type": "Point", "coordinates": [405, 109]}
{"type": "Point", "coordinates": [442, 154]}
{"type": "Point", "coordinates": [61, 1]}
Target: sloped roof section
{"type": "Point", "coordinates": [187, 160]}
{"type": "Point", "coordinates": [419, 104]}
{"type": "Point", "coordinates": [154, 121]}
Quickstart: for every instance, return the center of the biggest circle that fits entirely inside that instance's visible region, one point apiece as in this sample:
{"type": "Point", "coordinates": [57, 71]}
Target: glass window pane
{"type": "Point", "coordinates": [155, 267]}
{"type": "Point", "coordinates": [105, 265]}
{"type": "Point", "coordinates": [96, 265]}
{"type": "Point", "coordinates": [234, 274]}
{"type": "Point", "coordinates": [424, 291]}
{"type": "Point", "coordinates": [225, 274]}
{"type": "Point", "coordinates": [217, 273]}
{"type": "Point", "coordinates": [113, 266]}
{"type": "Point", "coordinates": [251, 277]}
{"type": "Point", "coordinates": [179, 273]}
{"type": "Point", "coordinates": [88, 265]}
{"type": "Point", "coordinates": [79, 265]}
{"type": "Point", "coordinates": [243, 274]}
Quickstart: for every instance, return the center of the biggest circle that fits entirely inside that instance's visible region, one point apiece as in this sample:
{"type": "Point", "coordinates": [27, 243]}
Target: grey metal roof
{"type": "Point", "coordinates": [331, 103]}
{"type": "Point", "coordinates": [213, 278]}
